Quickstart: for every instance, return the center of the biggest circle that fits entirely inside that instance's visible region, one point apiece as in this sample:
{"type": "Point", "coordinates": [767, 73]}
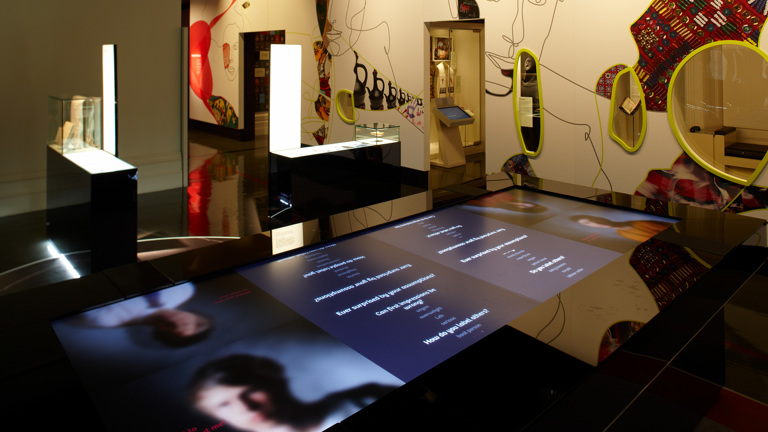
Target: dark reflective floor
{"type": "Point", "coordinates": [226, 198]}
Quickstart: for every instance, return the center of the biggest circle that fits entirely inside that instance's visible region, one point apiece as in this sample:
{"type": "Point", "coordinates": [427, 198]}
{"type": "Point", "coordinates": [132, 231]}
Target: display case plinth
{"type": "Point", "coordinates": [323, 180]}
{"type": "Point", "coordinates": [91, 207]}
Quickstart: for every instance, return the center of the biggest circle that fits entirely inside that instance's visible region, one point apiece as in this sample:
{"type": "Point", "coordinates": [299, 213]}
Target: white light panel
{"type": "Point", "coordinates": [109, 98]}
{"type": "Point", "coordinates": [285, 97]}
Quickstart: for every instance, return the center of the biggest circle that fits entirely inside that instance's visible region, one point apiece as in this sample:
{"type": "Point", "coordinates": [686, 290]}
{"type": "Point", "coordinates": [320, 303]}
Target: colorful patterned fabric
{"type": "Point", "coordinates": [604, 85]}
{"type": "Point", "coordinates": [671, 29]}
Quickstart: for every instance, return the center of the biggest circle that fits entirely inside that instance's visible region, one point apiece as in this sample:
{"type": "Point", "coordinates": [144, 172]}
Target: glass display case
{"type": "Point", "coordinates": [90, 193]}
{"type": "Point", "coordinates": [74, 123]}
{"type": "Point", "coordinates": [377, 133]}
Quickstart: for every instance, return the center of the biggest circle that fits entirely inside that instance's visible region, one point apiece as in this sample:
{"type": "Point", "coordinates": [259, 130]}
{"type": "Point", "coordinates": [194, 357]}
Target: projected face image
{"type": "Point", "coordinates": [172, 324]}
{"type": "Point", "coordinates": [239, 406]}
{"type": "Point", "coordinates": [247, 392]}
{"type": "Point", "coordinates": [524, 207]}
{"type": "Point", "coordinates": [638, 230]}
{"type": "Point", "coordinates": [592, 223]}
{"type": "Point", "coordinates": [253, 393]}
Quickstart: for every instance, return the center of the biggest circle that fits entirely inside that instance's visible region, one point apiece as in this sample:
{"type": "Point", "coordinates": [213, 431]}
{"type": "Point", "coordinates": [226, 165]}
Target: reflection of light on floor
{"type": "Point", "coordinates": [159, 239]}
{"type": "Point", "coordinates": [154, 248]}
{"type": "Point", "coordinates": [63, 259]}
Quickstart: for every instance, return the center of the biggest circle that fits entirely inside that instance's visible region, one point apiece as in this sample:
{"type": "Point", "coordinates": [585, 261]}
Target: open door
{"type": "Point", "coordinates": [457, 77]}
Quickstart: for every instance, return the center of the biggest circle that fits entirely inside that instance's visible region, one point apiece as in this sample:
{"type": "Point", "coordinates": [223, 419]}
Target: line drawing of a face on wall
{"type": "Point", "coordinates": [232, 39]}
{"type": "Point", "coordinates": [343, 37]}
{"type": "Point", "coordinates": [524, 36]}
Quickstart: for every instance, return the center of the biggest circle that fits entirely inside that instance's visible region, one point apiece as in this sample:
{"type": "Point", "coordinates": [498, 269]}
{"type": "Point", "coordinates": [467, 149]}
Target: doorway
{"type": "Point", "coordinates": [456, 69]}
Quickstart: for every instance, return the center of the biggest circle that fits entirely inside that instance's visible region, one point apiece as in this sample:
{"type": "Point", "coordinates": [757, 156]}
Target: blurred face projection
{"type": "Point", "coordinates": [302, 341]}
{"type": "Point", "coordinates": [238, 406]}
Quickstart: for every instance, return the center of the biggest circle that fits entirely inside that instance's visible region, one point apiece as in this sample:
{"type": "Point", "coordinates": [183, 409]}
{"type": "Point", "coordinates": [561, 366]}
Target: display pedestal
{"type": "Point", "coordinates": [91, 207]}
{"type": "Point", "coordinates": [310, 182]}
{"type": "Point", "coordinates": [451, 151]}
{"type": "Point", "coordinates": [449, 137]}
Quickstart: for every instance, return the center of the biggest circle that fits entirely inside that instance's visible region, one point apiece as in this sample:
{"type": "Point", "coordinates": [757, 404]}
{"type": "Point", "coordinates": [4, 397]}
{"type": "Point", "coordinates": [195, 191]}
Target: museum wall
{"type": "Point", "coordinates": [54, 48]}
{"type": "Point", "coordinates": [580, 48]}
{"type": "Point", "coordinates": [356, 47]}
{"type": "Point", "coordinates": [373, 49]}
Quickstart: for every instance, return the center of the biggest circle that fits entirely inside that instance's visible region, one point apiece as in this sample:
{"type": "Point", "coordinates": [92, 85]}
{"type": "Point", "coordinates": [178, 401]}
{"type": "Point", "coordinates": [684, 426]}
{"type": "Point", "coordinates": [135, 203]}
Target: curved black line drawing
{"type": "Point", "coordinates": [334, 34]}
{"type": "Point", "coordinates": [506, 62]}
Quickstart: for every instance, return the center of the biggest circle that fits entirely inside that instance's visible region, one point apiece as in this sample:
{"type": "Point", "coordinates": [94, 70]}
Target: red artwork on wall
{"type": "Point", "coordinates": [200, 77]}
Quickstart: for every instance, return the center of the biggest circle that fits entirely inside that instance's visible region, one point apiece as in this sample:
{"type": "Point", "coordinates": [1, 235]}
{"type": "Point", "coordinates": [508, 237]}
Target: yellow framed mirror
{"type": "Point", "coordinates": [527, 102]}
{"type": "Point", "coordinates": [344, 106]}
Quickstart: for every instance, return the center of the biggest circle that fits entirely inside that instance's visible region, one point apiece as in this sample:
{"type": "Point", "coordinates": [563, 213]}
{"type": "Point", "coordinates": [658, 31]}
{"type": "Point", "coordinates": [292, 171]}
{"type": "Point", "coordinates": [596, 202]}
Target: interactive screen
{"type": "Point", "coordinates": [342, 323]}
{"type": "Point", "coordinates": [218, 354]}
{"type": "Point", "coordinates": [410, 295]}
{"type": "Point", "coordinates": [454, 113]}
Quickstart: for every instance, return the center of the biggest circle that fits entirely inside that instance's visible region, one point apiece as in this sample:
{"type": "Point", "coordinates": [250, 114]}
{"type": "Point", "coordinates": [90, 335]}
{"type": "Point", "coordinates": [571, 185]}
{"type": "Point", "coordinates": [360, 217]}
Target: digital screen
{"type": "Point", "coordinates": [217, 354]}
{"type": "Point", "coordinates": [413, 294]}
{"type": "Point", "coordinates": [454, 113]}
{"type": "Point", "coordinates": [345, 321]}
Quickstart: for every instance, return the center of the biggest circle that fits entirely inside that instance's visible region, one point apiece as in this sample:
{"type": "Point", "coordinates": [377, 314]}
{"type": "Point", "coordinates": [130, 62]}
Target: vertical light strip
{"type": "Point", "coordinates": [109, 98]}
{"type": "Point", "coordinates": [284, 97]}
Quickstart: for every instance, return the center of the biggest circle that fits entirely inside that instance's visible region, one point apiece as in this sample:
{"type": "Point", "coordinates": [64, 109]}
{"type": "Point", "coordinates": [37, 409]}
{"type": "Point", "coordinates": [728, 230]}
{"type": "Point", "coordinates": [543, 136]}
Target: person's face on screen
{"type": "Point", "coordinates": [239, 406]}
{"type": "Point", "coordinates": [523, 207]}
{"type": "Point", "coordinates": [522, 204]}
{"type": "Point", "coordinates": [180, 323]}
{"type": "Point", "coordinates": [592, 224]}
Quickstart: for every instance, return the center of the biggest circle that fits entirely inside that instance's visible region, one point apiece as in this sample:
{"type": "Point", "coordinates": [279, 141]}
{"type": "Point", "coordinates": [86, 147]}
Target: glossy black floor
{"type": "Point", "coordinates": [229, 179]}
{"type": "Point", "coordinates": [226, 198]}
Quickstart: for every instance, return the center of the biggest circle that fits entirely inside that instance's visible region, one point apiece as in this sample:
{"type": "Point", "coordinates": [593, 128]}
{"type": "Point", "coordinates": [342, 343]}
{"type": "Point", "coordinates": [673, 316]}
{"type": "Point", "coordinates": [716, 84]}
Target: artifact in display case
{"type": "Point", "coordinates": [74, 123]}
{"type": "Point", "coordinates": [90, 193]}
{"type": "Point", "coordinates": [377, 133]}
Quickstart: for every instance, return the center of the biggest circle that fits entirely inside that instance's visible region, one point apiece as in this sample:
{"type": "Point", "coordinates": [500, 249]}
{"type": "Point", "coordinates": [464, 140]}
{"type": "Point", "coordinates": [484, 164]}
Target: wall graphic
{"type": "Point", "coordinates": [200, 75]}
{"type": "Point", "coordinates": [664, 34]}
{"type": "Point", "coordinates": [519, 164]}
{"type": "Point", "coordinates": [337, 37]}
{"type": "Point", "coordinates": [604, 86]}
{"type": "Point", "coordinates": [374, 92]}
{"type": "Point", "coordinates": [534, 38]}
{"type": "Point", "coordinates": [669, 30]}
{"type": "Point", "coordinates": [375, 50]}
{"type": "Point", "coordinates": [532, 25]}
{"type": "Point", "coordinates": [222, 111]}
{"type": "Point", "coordinates": [324, 67]}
